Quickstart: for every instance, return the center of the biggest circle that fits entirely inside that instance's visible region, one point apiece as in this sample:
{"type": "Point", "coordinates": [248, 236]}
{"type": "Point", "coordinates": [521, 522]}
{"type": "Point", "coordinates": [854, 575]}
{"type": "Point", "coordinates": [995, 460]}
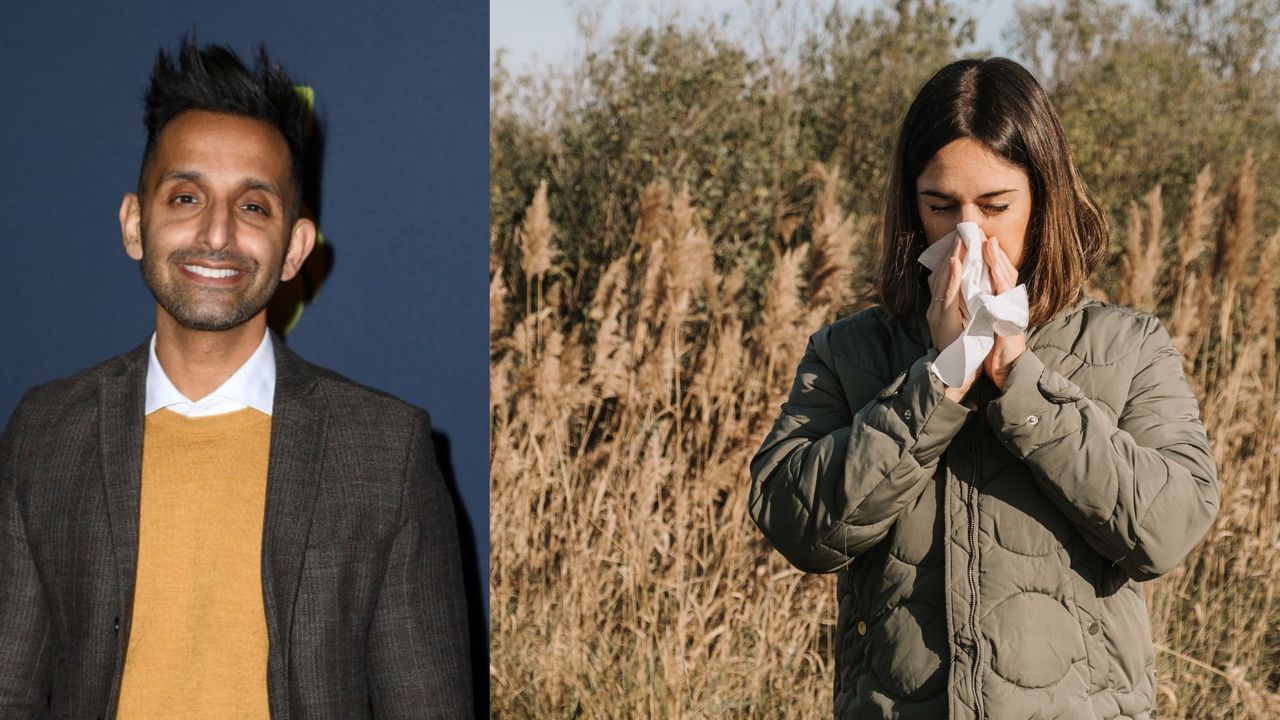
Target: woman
{"type": "Point", "coordinates": [992, 538]}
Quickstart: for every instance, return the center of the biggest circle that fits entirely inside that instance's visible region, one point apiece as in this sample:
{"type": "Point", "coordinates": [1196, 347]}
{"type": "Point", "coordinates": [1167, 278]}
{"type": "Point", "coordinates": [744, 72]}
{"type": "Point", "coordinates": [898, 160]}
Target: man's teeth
{"type": "Point", "coordinates": [211, 272]}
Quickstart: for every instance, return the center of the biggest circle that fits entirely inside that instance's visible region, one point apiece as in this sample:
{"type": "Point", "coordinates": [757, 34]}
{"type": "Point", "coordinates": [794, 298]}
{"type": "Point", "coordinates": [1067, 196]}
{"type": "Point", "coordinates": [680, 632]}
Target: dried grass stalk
{"type": "Point", "coordinates": [1235, 235]}
{"type": "Point", "coordinates": [534, 236]}
{"type": "Point", "coordinates": [1141, 262]}
{"type": "Point", "coordinates": [833, 243]}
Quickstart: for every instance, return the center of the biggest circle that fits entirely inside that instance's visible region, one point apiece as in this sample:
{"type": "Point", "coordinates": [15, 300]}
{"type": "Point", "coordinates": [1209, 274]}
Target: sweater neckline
{"type": "Point", "coordinates": [222, 423]}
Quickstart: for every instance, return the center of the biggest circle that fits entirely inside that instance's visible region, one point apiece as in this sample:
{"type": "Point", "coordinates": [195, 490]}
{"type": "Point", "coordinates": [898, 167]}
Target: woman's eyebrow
{"type": "Point", "coordinates": [983, 196]}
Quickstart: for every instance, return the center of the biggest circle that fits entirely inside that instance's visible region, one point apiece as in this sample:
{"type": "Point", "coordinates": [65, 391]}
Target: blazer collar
{"type": "Point", "coordinates": [298, 426]}
{"type": "Point", "coordinates": [121, 397]}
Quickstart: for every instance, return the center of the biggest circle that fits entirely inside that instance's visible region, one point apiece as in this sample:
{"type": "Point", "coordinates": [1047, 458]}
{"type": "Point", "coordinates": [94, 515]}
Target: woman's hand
{"type": "Point", "coordinates": [946, 314]}
{"type": "Point", "coordinates": [1004, 276]}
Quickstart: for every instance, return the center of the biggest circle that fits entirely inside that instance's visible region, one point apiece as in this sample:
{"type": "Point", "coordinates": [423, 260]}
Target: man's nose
{"type": "Point", "coordinates": [219, 227]}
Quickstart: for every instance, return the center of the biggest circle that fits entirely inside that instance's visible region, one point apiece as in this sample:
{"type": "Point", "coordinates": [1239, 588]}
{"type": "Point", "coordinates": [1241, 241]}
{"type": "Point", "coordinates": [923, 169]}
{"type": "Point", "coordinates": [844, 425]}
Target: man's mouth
{"type": "Point", "coordinates": [208, 272]}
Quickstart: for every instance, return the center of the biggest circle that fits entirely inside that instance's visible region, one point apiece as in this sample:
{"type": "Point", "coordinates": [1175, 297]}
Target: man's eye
{"type": "Point", "coordinates": [183, 199]}
{"type": "Point", "coordinates": [255, 208]}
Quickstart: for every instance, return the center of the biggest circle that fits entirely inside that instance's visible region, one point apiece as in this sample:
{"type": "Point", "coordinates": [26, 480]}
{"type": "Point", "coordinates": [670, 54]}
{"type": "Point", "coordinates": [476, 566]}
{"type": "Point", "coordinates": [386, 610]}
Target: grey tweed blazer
{"type": "Point", "coordinates": [361, 572]}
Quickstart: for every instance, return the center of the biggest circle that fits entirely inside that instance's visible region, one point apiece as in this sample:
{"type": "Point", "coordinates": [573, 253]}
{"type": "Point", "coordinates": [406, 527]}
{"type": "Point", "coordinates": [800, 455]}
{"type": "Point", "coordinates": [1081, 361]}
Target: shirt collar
{"type": "Point", "coordinates": [252, 385]}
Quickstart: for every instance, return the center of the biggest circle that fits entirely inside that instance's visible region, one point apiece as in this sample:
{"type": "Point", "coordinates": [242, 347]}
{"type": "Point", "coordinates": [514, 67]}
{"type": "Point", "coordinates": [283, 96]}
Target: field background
{"type": "Point", "coordinates": [678, 208]}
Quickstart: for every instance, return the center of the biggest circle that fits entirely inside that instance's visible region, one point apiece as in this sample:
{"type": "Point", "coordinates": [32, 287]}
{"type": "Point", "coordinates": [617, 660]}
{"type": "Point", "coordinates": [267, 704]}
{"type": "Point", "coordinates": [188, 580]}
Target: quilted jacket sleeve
{"type": "Point", "coordinates": [828, 482]}
{"type": "Point", "coordinates": [1141, 490]}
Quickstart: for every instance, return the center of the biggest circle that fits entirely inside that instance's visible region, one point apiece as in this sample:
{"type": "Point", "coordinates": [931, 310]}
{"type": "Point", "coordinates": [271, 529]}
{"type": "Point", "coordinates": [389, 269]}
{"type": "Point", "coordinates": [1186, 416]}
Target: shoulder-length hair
{"type": "Point", "coordinates": [998, 103]}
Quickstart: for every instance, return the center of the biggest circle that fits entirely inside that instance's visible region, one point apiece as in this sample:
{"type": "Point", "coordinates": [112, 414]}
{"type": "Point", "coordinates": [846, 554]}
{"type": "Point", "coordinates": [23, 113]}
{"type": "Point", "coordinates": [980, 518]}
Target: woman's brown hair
{"type": "Point", "coordinates": [998, 103]}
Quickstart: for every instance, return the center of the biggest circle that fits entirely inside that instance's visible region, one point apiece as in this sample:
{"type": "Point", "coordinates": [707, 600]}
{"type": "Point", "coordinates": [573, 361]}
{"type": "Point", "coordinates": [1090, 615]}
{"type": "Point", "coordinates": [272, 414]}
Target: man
{"type": "Point", "coordinates": [208, 526]}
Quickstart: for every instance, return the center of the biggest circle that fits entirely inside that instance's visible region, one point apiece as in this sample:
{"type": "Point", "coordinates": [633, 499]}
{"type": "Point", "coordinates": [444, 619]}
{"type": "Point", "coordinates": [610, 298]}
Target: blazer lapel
{"type": "Point", "coordinates": [298, 422]}
{"type": "Point", "coordinates": [121, 398]}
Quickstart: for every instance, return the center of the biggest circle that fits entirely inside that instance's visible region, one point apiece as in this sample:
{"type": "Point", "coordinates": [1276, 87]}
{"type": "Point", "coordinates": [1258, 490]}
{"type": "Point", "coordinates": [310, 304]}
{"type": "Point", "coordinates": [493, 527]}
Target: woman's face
{"type": "Point", "coordinates": [966, 182]}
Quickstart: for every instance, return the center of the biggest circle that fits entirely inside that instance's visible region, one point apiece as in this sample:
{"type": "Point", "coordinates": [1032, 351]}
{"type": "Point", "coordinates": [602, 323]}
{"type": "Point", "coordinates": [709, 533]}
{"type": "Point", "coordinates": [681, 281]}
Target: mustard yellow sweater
{"type": "Point", "coordinates": [198, 645]}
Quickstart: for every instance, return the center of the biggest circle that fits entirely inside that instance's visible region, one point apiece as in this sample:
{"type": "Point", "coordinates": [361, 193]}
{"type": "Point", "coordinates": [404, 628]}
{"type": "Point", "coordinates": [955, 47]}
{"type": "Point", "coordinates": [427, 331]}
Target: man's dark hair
{"type": "Point", "coordinates": [214, 79]}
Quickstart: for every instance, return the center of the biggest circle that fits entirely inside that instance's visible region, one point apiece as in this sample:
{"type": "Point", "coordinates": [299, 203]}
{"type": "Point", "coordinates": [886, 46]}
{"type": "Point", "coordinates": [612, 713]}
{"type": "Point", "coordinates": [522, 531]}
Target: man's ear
{"type": "Point", "coordinates": [131, 225]}
{"type": "Point", "coordinates": [301, 240]}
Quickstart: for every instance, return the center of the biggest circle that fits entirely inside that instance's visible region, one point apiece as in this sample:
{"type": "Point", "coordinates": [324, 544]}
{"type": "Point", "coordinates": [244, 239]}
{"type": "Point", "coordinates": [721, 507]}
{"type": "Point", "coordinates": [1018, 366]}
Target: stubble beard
{"type": "Point", "coordinates": [209, 309]}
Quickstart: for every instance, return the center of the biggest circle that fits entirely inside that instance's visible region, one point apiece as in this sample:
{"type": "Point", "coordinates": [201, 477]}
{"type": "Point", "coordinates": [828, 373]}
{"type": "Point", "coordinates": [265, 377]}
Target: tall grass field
{"type": "Point", "coordinates": [627, 579]}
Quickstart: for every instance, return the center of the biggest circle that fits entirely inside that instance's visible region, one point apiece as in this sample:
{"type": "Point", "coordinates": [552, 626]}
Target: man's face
{"type": "Point", "coordinates": [212, 226]}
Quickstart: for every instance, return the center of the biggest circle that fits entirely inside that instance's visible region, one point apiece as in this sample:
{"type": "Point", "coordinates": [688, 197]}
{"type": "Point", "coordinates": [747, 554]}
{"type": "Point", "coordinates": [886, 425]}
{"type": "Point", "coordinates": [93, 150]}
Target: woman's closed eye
{"type": "Point", "coordinates": [988, 209]}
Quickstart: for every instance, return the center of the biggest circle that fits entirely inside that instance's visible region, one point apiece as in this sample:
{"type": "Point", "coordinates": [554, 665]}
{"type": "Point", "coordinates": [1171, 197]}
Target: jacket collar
{"type": "Point", "coordinates": [299, 423]}
{"type": "Point", "coordinates": [121, 398]}
{"type": "Point", "coordinates": [1062, 315]}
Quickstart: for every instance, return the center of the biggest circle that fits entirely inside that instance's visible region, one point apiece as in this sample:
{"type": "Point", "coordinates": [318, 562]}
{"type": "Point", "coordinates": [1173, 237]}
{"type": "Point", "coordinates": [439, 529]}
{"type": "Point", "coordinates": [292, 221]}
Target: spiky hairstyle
{"type": "Point", "coordinates": [214, 79]}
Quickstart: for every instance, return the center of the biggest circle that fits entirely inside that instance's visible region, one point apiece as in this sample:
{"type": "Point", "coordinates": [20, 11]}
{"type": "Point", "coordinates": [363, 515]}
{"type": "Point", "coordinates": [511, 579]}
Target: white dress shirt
{"type": "Point", "coordinates": [252, 385]}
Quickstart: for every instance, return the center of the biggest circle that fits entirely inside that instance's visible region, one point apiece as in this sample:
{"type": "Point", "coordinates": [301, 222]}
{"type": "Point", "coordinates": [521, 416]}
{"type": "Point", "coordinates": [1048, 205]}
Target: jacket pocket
{"type": "Point", "coordinates": [1128, 629]}
{"type": "Point", "coordinates": [1087, 578]}
{"type": "Point", "coordinates": [341, 578]}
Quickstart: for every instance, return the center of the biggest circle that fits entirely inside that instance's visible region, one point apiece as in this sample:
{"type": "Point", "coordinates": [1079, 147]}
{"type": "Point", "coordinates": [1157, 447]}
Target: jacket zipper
{"type": "Point", "coordinates": [971, 511]}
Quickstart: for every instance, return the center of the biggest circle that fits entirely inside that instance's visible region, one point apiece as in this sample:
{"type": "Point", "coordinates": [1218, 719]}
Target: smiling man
{"type": "Point", "coordinates": [209, 526]}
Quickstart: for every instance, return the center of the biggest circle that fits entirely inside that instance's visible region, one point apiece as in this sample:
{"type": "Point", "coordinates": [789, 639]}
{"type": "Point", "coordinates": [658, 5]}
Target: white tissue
{"type": "Point", "coordinates": [989, 315]}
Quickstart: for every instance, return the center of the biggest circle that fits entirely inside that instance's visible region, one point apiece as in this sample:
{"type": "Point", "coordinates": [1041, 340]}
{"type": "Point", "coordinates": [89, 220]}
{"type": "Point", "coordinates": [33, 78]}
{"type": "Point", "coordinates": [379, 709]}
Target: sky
{"type": "Point", "coordinates": [541, 33]}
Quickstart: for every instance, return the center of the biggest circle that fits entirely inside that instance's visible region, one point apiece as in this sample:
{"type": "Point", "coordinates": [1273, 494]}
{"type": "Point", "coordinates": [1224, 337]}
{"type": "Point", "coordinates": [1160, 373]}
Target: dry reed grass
{"type": "Point", "coordinates": [627, 580]}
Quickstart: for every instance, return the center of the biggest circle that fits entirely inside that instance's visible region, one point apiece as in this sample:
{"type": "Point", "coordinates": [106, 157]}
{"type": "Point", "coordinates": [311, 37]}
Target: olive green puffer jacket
{"type": "Point", "coordinates": [992, 552]}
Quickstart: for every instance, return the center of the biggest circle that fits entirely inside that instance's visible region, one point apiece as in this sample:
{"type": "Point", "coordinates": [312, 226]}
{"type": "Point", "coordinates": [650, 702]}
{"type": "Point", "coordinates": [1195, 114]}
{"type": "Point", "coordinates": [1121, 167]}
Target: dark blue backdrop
{"type": "Point", "coordinates": [401, 89]}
